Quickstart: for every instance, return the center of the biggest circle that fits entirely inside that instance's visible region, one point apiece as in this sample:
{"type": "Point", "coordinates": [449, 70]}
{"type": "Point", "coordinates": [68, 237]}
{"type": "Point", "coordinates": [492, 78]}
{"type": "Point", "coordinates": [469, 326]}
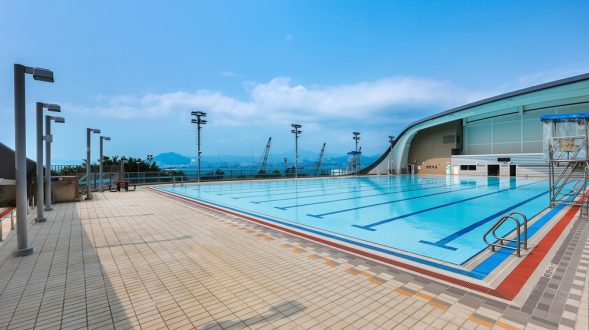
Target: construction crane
{"type": "Point", "coordinates": [264, 159]}
{"type": "Point", "coordinates": [318, 167]}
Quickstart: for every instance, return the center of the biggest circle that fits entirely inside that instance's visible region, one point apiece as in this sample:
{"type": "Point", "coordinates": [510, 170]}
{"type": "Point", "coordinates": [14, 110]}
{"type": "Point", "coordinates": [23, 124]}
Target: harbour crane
{"type": "Point", "coordinates": [264, 159]}
{"type": "Point", "coordinates": [318, 167]}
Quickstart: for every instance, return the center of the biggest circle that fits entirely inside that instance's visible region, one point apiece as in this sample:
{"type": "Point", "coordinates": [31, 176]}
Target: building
{"type": "Point", "coordinates": [497, 136]}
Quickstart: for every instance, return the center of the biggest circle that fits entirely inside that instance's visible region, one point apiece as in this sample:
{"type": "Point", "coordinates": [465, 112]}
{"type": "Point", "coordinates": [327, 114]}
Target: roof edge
{"type": "Point", "coordinates": [547, 85]}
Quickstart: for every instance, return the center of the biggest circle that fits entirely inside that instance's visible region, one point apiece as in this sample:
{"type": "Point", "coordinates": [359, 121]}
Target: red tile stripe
{"type": "Point", "coordinates": [513, 283]}
{"type": "Point", "coordinates": [6, 211]}
{"type": "Point", "coordinates": [507, 289]}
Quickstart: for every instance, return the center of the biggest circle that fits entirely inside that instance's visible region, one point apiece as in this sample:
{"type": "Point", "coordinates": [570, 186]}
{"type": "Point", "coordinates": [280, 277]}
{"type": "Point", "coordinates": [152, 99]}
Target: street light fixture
{"type": "Point", "coordinates": [88, 159]}
{"type": "Point", "coordinates": [199, 122]}
{"type": "Point", "coordinates": [48, 141]}
{"type": "Point", "coordinates": [102, 139]}
{"type": "Point", "coordinates": [391, 141]}
{"type": "Point", "coordinates": [296, 131]}
{"type": "Point", "coordinates": [40, 197]}
{"type": "Point", "coordinates": [20, 159]}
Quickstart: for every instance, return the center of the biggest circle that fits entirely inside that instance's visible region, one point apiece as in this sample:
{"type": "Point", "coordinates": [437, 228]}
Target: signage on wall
{"type": "Point", "coordinates": [503, 159]}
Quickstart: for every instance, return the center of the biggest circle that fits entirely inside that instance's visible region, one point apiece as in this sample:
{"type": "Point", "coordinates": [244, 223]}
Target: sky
{"type": "Point", "coordinates": [136, 69]}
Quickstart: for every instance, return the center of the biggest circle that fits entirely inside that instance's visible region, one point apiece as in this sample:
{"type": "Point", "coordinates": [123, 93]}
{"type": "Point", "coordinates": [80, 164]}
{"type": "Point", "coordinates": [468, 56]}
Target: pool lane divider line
{"type": "Point", "coordinates": [358, 197]}
{"type": "Point", "coordinates": [340, 193]}
{"type": "Point", "coordinates": [345, 192]}
{"type": "Point", "coordinates": [371, 226]}
{"type": "Point", "coordinates": [345, 199]}
{"type": "Point", "coordinates": [397, 200]}
{"type": "Point", "coordinates": [292, 189]}
{"type": "Point", "coordinates": [507, 289]}
{"type": "Point", "coordinates": [442, 243]}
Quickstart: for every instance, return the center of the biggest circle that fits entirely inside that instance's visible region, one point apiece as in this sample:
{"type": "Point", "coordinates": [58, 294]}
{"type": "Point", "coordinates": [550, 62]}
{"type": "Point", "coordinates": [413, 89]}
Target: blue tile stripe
{"type": "Point", "coordinates": [442, 243]}
{"type": "Point", "coordinates": [397, 201]}
{"type": "Point", "coordinates": [385, 221]}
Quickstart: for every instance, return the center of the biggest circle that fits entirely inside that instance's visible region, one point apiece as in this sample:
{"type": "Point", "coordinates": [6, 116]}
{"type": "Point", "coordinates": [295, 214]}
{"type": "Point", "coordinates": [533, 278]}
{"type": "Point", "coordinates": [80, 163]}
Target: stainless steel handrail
{"type": "Point", "coordinates": [518, 240]}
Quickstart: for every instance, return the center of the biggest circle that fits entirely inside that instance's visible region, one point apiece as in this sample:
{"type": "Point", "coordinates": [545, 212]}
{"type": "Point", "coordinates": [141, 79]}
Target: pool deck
{"type": "Point", "coordinates": [142, 260]}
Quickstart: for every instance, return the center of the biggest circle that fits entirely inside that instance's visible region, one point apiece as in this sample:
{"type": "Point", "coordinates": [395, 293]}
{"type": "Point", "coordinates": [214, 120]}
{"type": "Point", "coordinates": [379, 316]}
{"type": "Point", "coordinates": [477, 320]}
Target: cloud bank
{"type": "Point", "coordinates": [281, 101]}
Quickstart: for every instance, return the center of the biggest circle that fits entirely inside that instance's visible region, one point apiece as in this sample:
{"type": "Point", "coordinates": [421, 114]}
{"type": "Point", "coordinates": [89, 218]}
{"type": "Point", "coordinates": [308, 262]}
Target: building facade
{"type": "Point", "coordinates": [498, 136]}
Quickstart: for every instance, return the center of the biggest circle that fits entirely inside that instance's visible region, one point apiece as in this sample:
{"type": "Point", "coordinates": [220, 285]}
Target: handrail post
{"type": "Point", "coordinates": [12, 220]}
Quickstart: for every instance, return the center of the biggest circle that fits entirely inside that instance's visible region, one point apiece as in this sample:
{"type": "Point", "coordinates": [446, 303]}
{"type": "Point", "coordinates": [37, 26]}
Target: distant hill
{"type": "Point", "coordinates": [307, 158]}
{"type": "Point", "coordinates": [171, 159]}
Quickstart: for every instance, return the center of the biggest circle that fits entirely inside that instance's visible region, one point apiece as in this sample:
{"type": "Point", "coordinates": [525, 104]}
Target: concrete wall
{"type": "Point", "coordinates": [429, 153]}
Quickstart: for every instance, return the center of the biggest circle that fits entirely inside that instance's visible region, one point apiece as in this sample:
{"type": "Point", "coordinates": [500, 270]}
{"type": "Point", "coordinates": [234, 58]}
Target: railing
{"type": "Point", "coordinates": [2, 216]}
{"type": "Point", "coordinates": [188, 175]}
{"type": "Point", "coordinates": [502, 239]}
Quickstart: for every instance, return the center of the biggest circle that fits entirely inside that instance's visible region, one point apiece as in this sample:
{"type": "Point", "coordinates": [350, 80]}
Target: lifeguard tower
{"type": "Point", "coordinates": [566, 150]}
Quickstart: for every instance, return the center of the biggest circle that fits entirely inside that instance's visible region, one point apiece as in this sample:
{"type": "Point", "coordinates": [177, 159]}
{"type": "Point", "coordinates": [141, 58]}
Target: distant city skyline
{"type": "Point", "coordinates": [136, 69]}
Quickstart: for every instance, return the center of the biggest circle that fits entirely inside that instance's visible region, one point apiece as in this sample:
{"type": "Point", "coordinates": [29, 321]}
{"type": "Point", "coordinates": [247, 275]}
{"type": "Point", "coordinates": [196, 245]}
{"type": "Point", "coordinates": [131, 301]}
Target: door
{"type": "Point", "coordinates": [492, 170]}
{"type": "Point", "coordinates": [512, 170]}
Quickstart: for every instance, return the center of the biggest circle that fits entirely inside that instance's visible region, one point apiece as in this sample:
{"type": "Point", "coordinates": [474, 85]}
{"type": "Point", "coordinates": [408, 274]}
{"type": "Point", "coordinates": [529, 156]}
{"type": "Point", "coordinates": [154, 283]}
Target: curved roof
{"type": "Point", "coordinates": [519, 92]}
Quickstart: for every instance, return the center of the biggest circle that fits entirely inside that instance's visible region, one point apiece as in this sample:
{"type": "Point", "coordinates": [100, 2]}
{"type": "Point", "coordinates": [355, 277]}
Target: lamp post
{"type": "Point", "coordinates": [199, 122]}
{"type": "Point", "coordinates": [102, 139]}
{"type": "Point", "coordinates": [40, 198]}
{"type": "Point", "coordinates": [20, 159]}
{"type": "Point", "coordinates": [356, 138]}
{"type": "Point", "coordinates": [48, 141]}
{"type": "Point", "coordinates": [88, 131]}
{"type": "Point", "coordinates": [296, 131]}
{"type": "Point", "coordinates": [391, 141]}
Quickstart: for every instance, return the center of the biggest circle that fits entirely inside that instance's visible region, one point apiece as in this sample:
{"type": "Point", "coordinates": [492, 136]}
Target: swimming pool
{"type": "Point", "coordinates": [440, 217]}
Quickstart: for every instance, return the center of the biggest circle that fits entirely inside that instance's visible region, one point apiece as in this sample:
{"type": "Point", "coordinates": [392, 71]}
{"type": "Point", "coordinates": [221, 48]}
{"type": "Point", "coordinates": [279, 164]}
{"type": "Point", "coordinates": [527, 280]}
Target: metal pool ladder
{"type": "Point", "coordinates": [520, 220]}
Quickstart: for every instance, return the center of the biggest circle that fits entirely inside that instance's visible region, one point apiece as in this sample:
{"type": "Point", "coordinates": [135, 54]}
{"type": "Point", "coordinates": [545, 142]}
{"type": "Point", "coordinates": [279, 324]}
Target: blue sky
{"type": "Point", "coordinates": [135, 69]}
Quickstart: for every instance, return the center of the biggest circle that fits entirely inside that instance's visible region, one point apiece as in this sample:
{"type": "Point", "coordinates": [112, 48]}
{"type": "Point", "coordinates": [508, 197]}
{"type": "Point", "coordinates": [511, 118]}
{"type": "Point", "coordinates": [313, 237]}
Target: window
{"type": "Point", "coordinates": [468, 167]}
{"type": "Point", "coordinates": [464, 167]}
{"type": "Point", "coordinates": [449, 139]}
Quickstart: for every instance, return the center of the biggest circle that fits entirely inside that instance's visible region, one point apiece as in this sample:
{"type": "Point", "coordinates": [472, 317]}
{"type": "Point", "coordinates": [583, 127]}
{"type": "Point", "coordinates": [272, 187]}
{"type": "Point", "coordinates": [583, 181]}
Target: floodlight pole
{"type": "Point", "coordinates": [357, 163]}
{"type": "Point", "coordinates": [20, 158]}
{"type": "Point", "coordinates": [199, 122]}
{"type": "Point", "coordinates": [88, 131]}
{"type": "Point", "coordinates": [296, 132]}
{"type": "Point", "coordinates": [391, 141]}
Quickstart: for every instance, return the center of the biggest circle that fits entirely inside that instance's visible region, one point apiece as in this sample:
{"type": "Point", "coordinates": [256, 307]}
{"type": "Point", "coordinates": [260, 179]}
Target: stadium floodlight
{"type": "Point", "coordinates": [22, 241]}
{"type": "Point", "coordinates": [88, 159]}
{"type": "Point", "coordinates": [199, 122]}
{"type": "Point", "coordinates": [102, 139]}
{"type": "Point", "coordinates": [48, 141]}
{"type": "Point", "coordinates": [39, 185]}
{"type": "Point", "coordinates": [296, 131]}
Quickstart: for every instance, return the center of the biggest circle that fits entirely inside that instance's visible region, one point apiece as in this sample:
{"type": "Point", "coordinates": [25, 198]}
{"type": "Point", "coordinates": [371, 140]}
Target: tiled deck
{"type": "Point", "coordinates": [142, 260]}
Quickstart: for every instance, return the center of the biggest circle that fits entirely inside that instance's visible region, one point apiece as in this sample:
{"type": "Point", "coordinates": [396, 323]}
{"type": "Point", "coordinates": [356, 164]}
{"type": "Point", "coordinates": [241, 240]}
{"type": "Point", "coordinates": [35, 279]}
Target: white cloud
{"type": "Point", "coordinates": [282, 101]}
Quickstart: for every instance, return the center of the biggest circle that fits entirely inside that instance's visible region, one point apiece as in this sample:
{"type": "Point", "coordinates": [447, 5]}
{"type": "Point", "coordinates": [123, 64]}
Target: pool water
{"type": "Point", "coordinates": [441, 217]}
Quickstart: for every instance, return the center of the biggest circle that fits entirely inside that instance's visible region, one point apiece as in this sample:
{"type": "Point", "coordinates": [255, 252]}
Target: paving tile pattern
{"type": "Point", "coordinates": [141, 260]}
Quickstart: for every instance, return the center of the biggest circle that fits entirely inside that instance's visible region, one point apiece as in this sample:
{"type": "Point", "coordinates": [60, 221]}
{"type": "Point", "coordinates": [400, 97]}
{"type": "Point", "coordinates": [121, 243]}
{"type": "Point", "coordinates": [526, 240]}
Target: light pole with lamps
{"type": "Point", "coordinates": [102, 139]}
{"type": "Point", "coordinates": [391, 141]}
{"type": "Point", "coordinates": [48, 141]}
{"type": "Point", "coordinates": [357, 158]}
{"type": "Point", "coordinates": [296, 131]}
{"type": "Point", "coordinates": [20, 159]}
{"type": "Point", "coordinates": [88, 159]}
{"type": "Point", "coordinates": [40, 191]}
{"type": "Point", "coordinates": [199, 122]}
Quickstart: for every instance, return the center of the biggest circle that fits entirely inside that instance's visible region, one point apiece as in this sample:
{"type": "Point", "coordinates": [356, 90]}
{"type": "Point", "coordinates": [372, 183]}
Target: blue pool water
{"type": "Point", "coordinates": [441, 217]}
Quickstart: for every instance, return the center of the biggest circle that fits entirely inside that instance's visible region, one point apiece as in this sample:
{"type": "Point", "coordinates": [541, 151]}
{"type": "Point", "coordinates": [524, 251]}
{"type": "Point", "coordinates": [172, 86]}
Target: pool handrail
{"type": "Point", "coordinates": [518, 240]}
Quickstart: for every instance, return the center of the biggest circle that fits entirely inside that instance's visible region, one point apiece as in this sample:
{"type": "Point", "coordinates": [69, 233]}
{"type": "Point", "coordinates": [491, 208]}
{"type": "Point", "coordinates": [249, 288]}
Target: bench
{"type": "Point", "coordinates": [122, 184]}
